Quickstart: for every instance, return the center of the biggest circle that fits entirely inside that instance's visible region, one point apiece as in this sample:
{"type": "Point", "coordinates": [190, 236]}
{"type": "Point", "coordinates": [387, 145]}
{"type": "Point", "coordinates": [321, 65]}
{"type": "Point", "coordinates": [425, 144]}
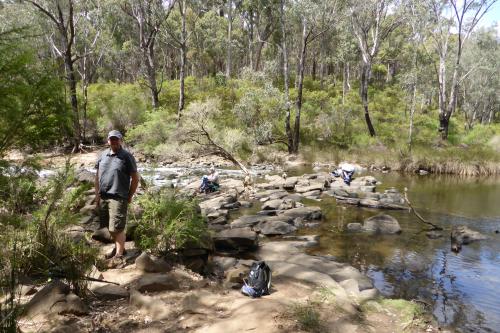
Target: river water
{"type": "Point", "coordinates": [461, 290]}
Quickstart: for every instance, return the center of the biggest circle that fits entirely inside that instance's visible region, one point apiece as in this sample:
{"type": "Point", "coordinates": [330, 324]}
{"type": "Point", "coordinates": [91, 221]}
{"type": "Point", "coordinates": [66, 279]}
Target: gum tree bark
{"type": "Point", "coordinates": [371, 26]}
{"type": "Point", "coordinates": [149, 15]}
{"type": "Point", "coordinates": [63, 19]}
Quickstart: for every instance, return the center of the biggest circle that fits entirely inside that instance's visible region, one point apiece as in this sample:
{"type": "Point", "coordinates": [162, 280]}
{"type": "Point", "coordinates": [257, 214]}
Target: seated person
{"type": "Point", "coordinates": [210, 183]}
{"type": "Point", "coordinates": [346, 171]}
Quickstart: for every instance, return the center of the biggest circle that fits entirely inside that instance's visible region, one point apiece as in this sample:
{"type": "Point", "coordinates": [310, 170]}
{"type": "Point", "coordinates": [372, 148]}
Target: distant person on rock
{"type": "Point", "coordinates": [346, 171]}
{"type": "Point", "coordinates": [210, 183]}
{"type": "Point", "coordinates": [115, 184]}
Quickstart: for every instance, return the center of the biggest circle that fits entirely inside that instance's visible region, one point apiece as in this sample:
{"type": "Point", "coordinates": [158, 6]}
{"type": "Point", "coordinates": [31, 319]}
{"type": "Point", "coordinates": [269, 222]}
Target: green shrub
{"type": "Point", "coordinates": [17, 189]}
{"type": "Point", "coordinates": [481, 134]}
{"type": "Point", "coordinates": [116, 106]}
{"type": "Point", "coordinates": [47, 252]}
{"type": "Point", "coordinates": [154, 131]}
{"type": "Point", "coordinates": [9, 276]}
{"type": "Point", "coordinates": [168, 222]}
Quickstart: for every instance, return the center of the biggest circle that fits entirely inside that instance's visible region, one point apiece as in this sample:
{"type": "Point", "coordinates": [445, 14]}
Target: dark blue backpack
{"type": "Point", "coordinates": [259, 280]}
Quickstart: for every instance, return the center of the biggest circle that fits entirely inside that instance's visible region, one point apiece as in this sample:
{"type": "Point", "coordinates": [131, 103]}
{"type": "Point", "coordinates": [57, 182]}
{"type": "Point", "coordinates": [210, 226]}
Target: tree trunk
{"type": "Point", "coordinates": [414, 93]}
{"type": "Point", "coordinates": [322, 65]}
{"type": "Point", "coordinates": [229, 38]}
{"type": "Point", "coordinates": [182, 7]}
{"type": "Point", "coordinates": [346, 86]}
{"type": "Point", "coordinates": [70, 74]}
{"type": "Point", "coordinates": [250, 42]}
{"type": "Point", "coordinates": [300, 85]}
{"type": "Point", "coordinates": [151, 74]}
{"type": "Point", "coordinates": [412, 112]}
{"type": "Point", "coordinates": [313, 70]}
{"type": "Point", "coordinates": [286, 78]}
{"type": "Point", "coordinates": [258, 54]}
{"type": "Point", "coordinates": [365, 78]}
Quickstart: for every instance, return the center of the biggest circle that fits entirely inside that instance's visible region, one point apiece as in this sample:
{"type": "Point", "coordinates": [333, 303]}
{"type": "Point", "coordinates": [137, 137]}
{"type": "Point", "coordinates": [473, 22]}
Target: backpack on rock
{"type": "Point", "coordinates": [259, 280]}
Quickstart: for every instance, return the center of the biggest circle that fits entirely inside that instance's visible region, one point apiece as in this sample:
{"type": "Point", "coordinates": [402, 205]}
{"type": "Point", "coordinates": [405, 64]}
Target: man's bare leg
{"type": "Point", "coordinates": [119, 238]}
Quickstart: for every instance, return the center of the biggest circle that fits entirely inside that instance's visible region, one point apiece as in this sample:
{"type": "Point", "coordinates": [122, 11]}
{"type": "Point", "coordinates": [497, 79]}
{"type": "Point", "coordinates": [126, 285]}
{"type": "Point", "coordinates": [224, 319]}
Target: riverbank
{"type": "Point", "coordinates": [310, 293]}
{"type": "Point", "coordinates": [442, 158]}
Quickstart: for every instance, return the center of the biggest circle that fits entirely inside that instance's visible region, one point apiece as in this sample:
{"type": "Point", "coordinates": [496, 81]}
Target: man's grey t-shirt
{"type": "Point", "coordinates": [115, 170]}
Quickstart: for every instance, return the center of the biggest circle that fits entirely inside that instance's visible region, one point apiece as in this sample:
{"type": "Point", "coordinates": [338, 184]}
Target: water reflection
{"type": "Point", "coordinates": [461, 289]}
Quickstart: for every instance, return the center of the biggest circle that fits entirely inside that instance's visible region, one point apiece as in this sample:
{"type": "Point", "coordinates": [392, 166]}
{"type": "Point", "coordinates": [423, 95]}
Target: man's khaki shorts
{"type": "Point", "coordinates": [113, 213]}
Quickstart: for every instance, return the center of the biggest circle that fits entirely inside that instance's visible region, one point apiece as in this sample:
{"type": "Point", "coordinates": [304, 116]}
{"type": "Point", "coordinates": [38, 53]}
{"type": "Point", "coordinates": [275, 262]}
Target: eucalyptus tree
{"type": "Point", "coordinates": [372, 22]}
{"type": "Point", "coordinates": [452, 23]}
{"type": "Point", "coordinates": [315, 17]}
{"type": "Point", "coordinates": [286, 76]}
{"type": "Point", "coordinates": [480, 101]}
{"type": "Point", "coordinates": [229, 38]}
{"type": "Point", "coordinates": [92, 43]}
{"type": "Point", "coordinates": [61, 14]}
{"type": "Point", "coordinates": [414, 12]}
{"type": "Point", "coordinates": [149, 16]}
{"type": "Point", "coordinates": [260, 19]}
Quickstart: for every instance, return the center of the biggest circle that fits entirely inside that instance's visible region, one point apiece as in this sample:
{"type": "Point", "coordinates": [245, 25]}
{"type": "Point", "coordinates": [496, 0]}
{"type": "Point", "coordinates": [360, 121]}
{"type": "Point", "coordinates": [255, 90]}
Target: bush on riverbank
{"type": "Point", "coordinates": [168, 222]}
{"type": "Point", "coordinates": [253, 107]}
{"type": "Point", "coordinates": [44, 250]}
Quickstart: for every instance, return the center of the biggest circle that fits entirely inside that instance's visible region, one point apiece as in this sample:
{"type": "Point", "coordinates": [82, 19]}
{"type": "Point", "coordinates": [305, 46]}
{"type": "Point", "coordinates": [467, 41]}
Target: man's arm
{"type": "Point", "coordinates": [96, 187]}
{"type": "Point", "coordinates": [133, 185]}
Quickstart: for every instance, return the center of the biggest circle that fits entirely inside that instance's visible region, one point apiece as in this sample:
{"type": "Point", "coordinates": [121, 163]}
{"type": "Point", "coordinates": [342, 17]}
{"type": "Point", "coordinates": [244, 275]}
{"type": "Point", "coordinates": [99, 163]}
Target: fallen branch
{"type": "Point", "coordinates": [434, 227]}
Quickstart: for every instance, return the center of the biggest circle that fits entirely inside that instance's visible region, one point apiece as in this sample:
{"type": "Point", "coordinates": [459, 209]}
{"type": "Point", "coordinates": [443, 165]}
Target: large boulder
{"type": "Point", "coordinates": [276, 227]}
{"type": "Point", "coordinates": [272, 204]}
{"type": "Point", "coordinates": [382, 224]}
{"type": "Point", "coordinates": [217, 203]}
{"type": "Point", "coordinates": [75, 233]}
{"type": "Point", "coordinates": [147, 263]}
{"type": "Point", "coordinates": [157, 282]}
{"type": "Point", "coordinates": [364, 181]}
{"type": "Point", "coordinates": [290, 183]}
{"type": "Point", "coordinates": [108, 291]}
{"type": "Point", "coordinates": [55, 298]}
{"type": "Point", "coordinates": [236, 239]}
{"type": "Point", "coordinates": [462, 235]}
{"type": "Point", "coordinates": [248, 221]}
{"type": "Point", "coordinates": [102, 235]}
{"type": "Point", "coordinates": [85, 176]}
{"type": "Point", "coordinates": [354, 227]}
{"type": "Point", "coordinates": [305, 213]}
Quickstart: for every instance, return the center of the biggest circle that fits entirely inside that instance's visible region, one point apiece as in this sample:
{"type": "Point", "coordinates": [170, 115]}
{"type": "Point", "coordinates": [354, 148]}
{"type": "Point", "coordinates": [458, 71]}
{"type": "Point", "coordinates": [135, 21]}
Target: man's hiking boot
{"type": "Point", "coordinates": [116, 262]}
{"type": "Point", "coordinates": [113, 253]}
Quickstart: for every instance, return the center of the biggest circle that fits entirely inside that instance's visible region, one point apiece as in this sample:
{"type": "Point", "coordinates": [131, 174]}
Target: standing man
{"type": "Point", "coordinates": [115, 184]}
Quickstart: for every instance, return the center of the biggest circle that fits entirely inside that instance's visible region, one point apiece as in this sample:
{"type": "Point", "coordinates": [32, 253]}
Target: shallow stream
{"type": "Point", "coordinates": [462, 290]}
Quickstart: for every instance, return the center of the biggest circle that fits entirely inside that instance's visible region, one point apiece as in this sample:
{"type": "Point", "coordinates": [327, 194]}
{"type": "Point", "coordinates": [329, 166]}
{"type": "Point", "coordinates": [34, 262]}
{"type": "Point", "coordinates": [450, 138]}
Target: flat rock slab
{"type": "Point", "coordinates": [157, 282]}
{"type": "Point", "coordinates": [151, 306]}
{"type": "Point", "coordinates": [108, 292]}
{"type": "Point", "coordinates": [216, 203]}
{"type": "Point", "coordinates": [272, 194]}
{"type": "Point", "coordinates": [248, 221]}
{"type": "Point", "coordinates": [309, 188]}
{"type": "Point", "coordinates": [306, 213]}
{"type": "Point", "coordinates": [238, 239]}
{"type": "Point", "coordinates": [291, 252]}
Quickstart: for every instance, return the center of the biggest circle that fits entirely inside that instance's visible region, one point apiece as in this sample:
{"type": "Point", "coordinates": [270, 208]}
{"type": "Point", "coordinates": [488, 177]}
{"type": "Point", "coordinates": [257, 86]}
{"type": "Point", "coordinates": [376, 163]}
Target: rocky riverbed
{"type": "Point", "coordinates": [148, 294]}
